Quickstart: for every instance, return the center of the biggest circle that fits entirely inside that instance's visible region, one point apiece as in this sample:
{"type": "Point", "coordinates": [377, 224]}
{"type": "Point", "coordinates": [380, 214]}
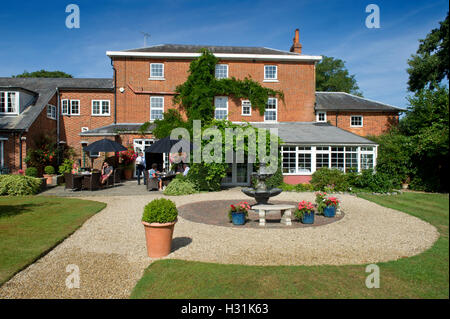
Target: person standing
{"type": "Point", "coordinates": [140, 168]}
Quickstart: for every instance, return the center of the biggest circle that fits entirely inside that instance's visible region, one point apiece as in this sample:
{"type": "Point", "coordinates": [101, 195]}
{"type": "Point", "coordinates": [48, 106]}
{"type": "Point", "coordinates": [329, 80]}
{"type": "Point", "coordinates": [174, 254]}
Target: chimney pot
{"type": "Point", "coordinates": [296, 46]}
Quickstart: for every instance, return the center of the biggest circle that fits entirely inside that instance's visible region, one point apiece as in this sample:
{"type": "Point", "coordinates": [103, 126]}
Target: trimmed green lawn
{"type": "Point", "coordinates": [30, 226]}
{"type": "Point", "coordinates": [422, 276]}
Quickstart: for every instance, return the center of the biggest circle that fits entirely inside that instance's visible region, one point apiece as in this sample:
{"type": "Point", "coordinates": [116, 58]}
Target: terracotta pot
{"type": "Point", "coordinates": [159, 238]}
{"type": "Point", "coordinates": [128, 173]}
{"type": "Point", "coordinates": [405, 186]}
{"type": "Point", "coordinates": [49, 179]}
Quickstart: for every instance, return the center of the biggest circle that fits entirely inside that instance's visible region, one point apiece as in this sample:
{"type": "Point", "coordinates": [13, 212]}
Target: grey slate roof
{"type": "Point", "coordinates": [45, 89]}
{"type": "Point", "coordinates": [114, 129]}
{"type": "Point", "coordinates": [313, 133]}
{"type": "Point", "coordinates": [187, 48]}
{"type": "Point", "coordinates": [341, 101]}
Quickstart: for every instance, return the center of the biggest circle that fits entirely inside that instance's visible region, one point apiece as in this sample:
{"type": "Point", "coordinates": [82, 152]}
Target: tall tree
{"type": "Point", "coordinates": [431, 63]}
{"type": "Point", "coordinates": [333, 76]}
{"type": "Point", "coordinates": [43, 74]}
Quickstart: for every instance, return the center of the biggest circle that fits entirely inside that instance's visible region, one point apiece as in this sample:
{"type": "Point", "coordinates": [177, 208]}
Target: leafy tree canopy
{"type": "Point", "coordinates": [430, 65]}
{"type": "Point", "coordinates": [333, 76]}
{"type": "Point", "coordinates": [43, 74]}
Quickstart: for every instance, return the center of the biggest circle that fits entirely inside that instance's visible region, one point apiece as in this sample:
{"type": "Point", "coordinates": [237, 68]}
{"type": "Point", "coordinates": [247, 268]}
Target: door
{"type": "Point", "coordinates": [238, 174]}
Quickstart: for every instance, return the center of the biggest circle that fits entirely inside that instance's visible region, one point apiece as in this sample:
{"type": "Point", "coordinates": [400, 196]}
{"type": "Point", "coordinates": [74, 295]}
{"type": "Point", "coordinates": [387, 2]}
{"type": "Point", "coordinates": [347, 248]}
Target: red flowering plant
{"type": "Point", "coordinates": [304, 207]}
{"type": "Point", "coordinates": [332, 201]}
{"type": "Point", "coordinates": [127, 158]}
{"type": "Point", "coordinates": [242, 207]}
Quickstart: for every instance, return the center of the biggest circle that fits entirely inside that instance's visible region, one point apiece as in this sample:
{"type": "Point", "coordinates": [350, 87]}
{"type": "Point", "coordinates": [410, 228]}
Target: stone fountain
{"type": "Point", "coordinates": [260, 192]}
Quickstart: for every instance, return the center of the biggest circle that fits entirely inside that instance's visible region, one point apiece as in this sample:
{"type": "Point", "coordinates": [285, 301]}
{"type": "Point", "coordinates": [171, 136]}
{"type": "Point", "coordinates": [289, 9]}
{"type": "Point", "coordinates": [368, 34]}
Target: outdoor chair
{"type": "Point", "coordinates": [110, 180]}
{"type": "Point", "coordinates": [152, 183]}
{"type": "Point", "coordinates": [92, 182]}
{"type": "Point", "coordinates": [72, 182]}
{"type": "Point", "coordinates": [117, 174]}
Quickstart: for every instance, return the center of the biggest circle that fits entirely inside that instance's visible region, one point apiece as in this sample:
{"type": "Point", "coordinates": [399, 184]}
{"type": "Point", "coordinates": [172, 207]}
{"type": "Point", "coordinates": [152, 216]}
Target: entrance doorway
{"type": "Point", "coordinates": [238, 174]}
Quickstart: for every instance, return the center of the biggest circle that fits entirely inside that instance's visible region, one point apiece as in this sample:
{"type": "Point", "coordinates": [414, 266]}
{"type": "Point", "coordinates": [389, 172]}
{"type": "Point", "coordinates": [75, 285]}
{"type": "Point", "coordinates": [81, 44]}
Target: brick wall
{"type": "Point", "coordinates": [70, 125]}
{"type": "Point", "coordinates": [296, 80]}
{"type": "Point", "coordinates": [374, 123]}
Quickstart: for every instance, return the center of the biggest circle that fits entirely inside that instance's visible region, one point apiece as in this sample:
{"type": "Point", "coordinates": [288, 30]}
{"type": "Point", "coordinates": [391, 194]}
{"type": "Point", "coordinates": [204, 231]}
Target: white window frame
{"type": "Point", "coordinates": [318, 117]}
{"type": "Point", "coordinates": [274, 79]}
{"type": "Point", "coordinates": [276, 110]}
{"type": "Point", "coordinates": [156, 108]}
{"type": "Point", "coordinates": [68, 107]}
{"type": "Point", "coordinates": [314, 151]}
{"type": "Point", "coordinates": [79, 107]}
{"type": "Point", "coordinates": [157, 77]}
{"type": "Point", "coordinates": [51, 111]}
{"type": "Point", "coordinates": [15, 102]}
{"type": "Point", "coordinates": [215, 107]}
{"type": "Point", "coordinates": [101, 108]}
{"type": "Point", "coordinates": [362, 121]}
{"type": "Point", "coordinates": [215, 71]}
{"type": "Point", "coordinates": [249, 106]}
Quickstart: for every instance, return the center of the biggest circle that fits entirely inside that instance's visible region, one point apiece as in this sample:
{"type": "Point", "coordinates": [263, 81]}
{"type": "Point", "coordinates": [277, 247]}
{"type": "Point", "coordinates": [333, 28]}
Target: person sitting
{"type": "Point", "coordinates": [75, 168]}
{"type": "Point", "coordinates": [153, 173]}
{"type": "Point", "coordinates": [185, 169]}
{"type": "Point", "coordinates": [107, 170]}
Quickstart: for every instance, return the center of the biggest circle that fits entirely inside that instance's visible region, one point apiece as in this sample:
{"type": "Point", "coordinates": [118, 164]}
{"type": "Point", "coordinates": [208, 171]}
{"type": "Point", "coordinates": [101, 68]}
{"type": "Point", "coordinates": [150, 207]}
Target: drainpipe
{"type": "Point", "coordinates": [115, 92]}
{"type": "Point", "coordinates": [337, 118]}
{"type": "Point", "coordinates": [58, 159]}
{"type": "Point", "coordinates": [20, 149]}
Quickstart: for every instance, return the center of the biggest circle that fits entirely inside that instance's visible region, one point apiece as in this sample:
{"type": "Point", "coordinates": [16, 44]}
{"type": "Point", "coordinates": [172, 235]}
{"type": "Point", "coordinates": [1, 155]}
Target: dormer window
{"type": "Point", "coordinates": [9, 102]}
{"type": "Point", "coordinates": [156, 71]}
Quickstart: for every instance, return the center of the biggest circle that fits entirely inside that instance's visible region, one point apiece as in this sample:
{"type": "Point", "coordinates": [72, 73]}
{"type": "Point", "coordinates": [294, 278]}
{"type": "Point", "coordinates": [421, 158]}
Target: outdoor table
{"type": "Point", "coordinates": [286, 212]}
{"type": "Point", "coordinates": [166, 178]}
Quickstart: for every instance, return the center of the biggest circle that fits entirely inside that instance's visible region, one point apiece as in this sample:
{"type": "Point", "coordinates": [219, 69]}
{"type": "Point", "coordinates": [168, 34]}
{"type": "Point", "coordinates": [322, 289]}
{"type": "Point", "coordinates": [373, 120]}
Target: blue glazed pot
{"type": "Point", "coordinates": [329, 211]}
{"type": "Point", "coordinates": [308, 217]}
{"type": "Point", "coordinates": [238, 218]}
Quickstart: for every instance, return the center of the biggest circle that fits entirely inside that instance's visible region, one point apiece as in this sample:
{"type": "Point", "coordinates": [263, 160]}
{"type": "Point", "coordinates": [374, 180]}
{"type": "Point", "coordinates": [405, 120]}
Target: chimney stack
{"type": "Point", "coordinates": [296, 46]}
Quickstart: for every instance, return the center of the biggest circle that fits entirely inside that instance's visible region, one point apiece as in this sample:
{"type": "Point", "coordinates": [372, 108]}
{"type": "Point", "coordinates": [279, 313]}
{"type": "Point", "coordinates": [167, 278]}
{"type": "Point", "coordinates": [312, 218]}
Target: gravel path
{"type": "Point", "coordinates": [110, 251]}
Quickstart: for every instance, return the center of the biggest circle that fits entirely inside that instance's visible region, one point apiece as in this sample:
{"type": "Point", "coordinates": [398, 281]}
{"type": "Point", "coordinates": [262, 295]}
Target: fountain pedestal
{"type": "Point", "coordinates": [260, 192]}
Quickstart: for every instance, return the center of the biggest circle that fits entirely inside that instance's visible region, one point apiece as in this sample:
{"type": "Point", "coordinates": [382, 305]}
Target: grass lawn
{"type": "Point", "coordinates": [422, 276]}
{"type": "Point", "coordinates": [30, 226]}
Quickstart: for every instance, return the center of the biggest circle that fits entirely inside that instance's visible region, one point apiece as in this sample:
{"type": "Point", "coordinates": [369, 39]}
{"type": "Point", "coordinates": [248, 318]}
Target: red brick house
{"type": "Point", "coordinates": [318, 128]}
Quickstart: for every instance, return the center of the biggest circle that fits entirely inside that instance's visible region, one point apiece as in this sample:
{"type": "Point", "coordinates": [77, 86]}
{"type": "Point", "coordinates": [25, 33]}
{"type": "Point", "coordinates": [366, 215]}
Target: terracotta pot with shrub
{"type": "Point", "coordinates": [159, 218]}
{"type": "Point", "coordinates": [49, 173]}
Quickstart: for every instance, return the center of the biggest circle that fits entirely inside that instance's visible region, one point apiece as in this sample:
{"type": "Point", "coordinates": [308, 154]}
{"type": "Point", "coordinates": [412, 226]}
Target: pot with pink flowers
{"type": "Point", "coordinates": [332, 203]}
{"type": "Point", "coordinates": [238, 213]}
{"type": "Point", "coordinates": [305, 212]}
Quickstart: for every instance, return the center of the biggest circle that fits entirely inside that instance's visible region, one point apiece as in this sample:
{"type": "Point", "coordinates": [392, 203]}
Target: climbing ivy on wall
{"type": "Point", "coordinates": [196, 95]}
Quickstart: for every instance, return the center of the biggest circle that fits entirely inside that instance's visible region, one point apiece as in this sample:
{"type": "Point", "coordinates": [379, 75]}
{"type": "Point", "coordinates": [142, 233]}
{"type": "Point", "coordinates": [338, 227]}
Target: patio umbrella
{"type": "Point", "coordinates": [165, 144]}
{"type": "Point", "coordinates": [105, 145]}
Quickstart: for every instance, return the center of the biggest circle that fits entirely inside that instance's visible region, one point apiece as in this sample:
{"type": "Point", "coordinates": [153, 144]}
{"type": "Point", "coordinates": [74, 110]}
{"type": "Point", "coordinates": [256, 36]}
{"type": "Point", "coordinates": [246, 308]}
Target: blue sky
{"type": "Point", "coordinates": [34, 35]}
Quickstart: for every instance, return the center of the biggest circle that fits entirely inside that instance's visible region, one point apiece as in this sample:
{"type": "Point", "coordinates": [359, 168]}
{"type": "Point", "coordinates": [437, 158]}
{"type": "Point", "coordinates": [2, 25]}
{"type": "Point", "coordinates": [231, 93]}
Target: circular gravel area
{"type": "Point", "coordinates": [110, 250]}
{"type": "Point", "coordinates": [215, 212]}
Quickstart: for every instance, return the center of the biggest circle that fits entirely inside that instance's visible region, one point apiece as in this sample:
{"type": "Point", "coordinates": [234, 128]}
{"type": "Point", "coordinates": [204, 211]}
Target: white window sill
{"type": "Point", "coordinates": [271, 80]}
{"type": "Point", "coordinates": [100, 114]}
{"type": "Point", "coordinates": [156, 79]}
{"type": "Point", "coordinates": [356, 126]}
{"type": "Point", "coordinates": [246, 115]}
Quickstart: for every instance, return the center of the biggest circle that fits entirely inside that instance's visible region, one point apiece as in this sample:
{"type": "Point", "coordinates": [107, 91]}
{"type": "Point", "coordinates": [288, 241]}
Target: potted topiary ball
{"type": "Point", "coordinates": [159, 218]}
{"type": "Point", "coordinates": [49, 173]}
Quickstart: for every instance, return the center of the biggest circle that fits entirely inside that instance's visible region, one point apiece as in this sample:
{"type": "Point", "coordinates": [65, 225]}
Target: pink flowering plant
{"type": "Point", "coordinates": [242, 207]}
{"type": "Point", "coordinates": [320, 201]}
{"type": "Point", "coordinates": [127, 158]}
{"type": "Point", "coordinates": [332, 201]}
{"type": "Point", "coordinates": [304, 207]}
